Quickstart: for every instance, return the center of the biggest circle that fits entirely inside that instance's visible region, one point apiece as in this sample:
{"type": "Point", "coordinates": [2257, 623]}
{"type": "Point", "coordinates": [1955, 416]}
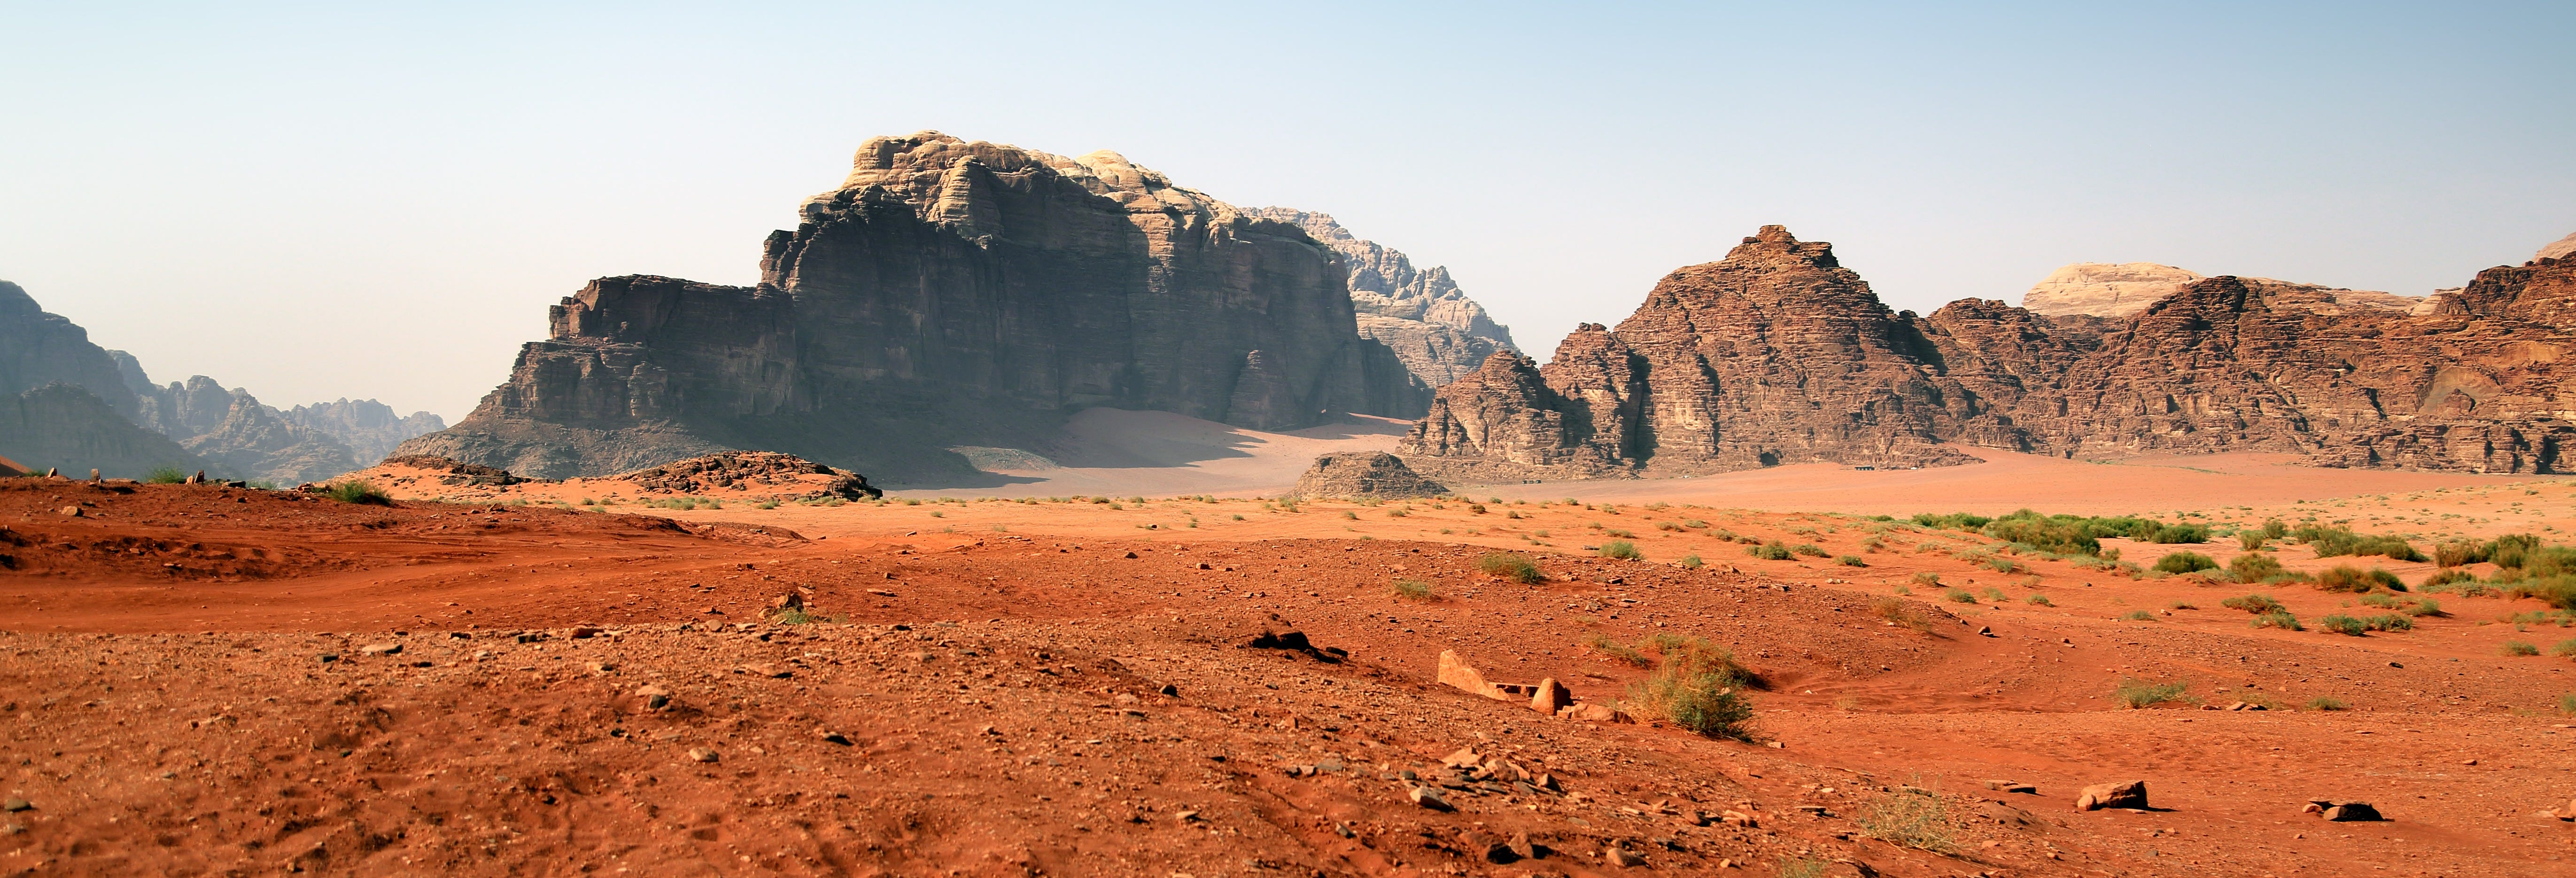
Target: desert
{"type": "Point", "coordinates": [1255, 441]}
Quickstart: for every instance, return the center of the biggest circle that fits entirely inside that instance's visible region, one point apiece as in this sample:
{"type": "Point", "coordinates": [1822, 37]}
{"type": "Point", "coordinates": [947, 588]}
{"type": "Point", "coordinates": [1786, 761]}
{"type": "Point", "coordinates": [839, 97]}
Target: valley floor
{"type": "Point", "coordinates": [205, 681]}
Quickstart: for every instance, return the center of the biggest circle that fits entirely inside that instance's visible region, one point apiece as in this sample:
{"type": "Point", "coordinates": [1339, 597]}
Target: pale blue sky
{"type": "Point", "coordinates": [320, 201]}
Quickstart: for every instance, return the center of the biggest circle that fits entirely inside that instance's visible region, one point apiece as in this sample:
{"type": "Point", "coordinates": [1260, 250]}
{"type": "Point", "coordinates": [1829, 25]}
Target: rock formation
{"type": "Point", "coordinates": [371, 429]}
{"type": "Point", "coordinates": [1364, 474]}
{"type": "Point", "coordinates": [38, 348]}
{"type": "Point", "coordinates": [2558, 249]}
{"type": "Point", "coordinates": [947, 293]}
{"type": "Point", "coordinates": [68, 428]}
{"type": "Point", "coordinates": [2104, 290]}
{"type": "Point", "coordinates": [1419, 313]}
{"type": "Point", "coordinates": [1779, 355]}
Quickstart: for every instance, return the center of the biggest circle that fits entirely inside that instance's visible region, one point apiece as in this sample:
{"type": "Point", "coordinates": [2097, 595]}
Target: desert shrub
{"type": "Point", "coordinates": [1804, 867]}
{"type": "Point", "coordinates": [1615, 532]}
{"type": "Point", "coordinates": [2138, 616]}
{"type": "Point", "coordinates": [1896, 611]}
{"type": "Point", "coordinates": [2518, 648]}
{"type": "Point", "coordinates": [2064, 535]}
{"type": "Point", "coordinates": [2137, 693]}
{"type": "Point", "coordinates": [1959, 596]}
{"type": "Point", "coordinates": [2341, 624]}
{"type": "Point", "coordinates": [1692, 562]}
{"type": "Point", "coordinates": [1411, 590]}
{"type": "Point", "coordinates": [2180, 605]}
{"type": "Point", "coordinates": [2564, 648]}
{"type": "Point", "coordinates": [2277, 619]}
{"type": "Point", "coordinates": [2456, 553]}
{"type": "Point", "coordinates": [2039, 600]}
{"type": "Point", "coordinates": [2389, 622]}
{"type": "Point", "coordinates": [2253, 566]}
{"type": "Point", "coordinates": [1909, 816]}
{"type": "Point", "coordinates": [2557, 590]}
{"type": "Point", "coordinates": [1694, 523]}
{"type": "Point", "coordinates": [1851, 561]}
{"type": "Point", "coordinates": [2442, 578]}
{"type": "Point", "coordinates": [2003, 565]}
{"type": "Point", "coordinates": [1696, 685]}
{"type": "Point", "coordinates": [1809, 550]}
{"type": "Point", "coordinates": [358, 491]}
{"type": "Point", "coordinates": [2327, 703]}
{"type": "Point", "coordinates": [2179, 533]}
{"type": "Point", "coordinates": [2251, 540]}
{"type": "Point", "coordinates": [1666, 525]}
{"type": "Point", "coordinates": [2333, 541]}
{"type": "Point", "coordinates": [165, 475]}
{"type": "Point", "coordinates": [1770, 551]}
{"type": "Point", "coordinates": [1928, 579]}
{"type": "Point", "coordinates": [2378, 600]}
{"type": "Point", "coordinates": [2513, 551]}
{"type": "Point", "coordinates": [1616, 651]}
{"type": "Point", "coordinates": [2348, 578]}
{"type": "Point", "coordinates": [2253, 603]}
{"type": "Point", "coordinates": [1952, 521]}
{"type": "Point", "coordinates": [1511, 567]}
{"type": "Point", "coordinates": [2185, 562]}
{"type": "Point", "coordinates": [1621, 550]}
{"type": "Point", "coordinates": [1993, 594]}
{"type": "Point", "coordinates": [2424, 607]}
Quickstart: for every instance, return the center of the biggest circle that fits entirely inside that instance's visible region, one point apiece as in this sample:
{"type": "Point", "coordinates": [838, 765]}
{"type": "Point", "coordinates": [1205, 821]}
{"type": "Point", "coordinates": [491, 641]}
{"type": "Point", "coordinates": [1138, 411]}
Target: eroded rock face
{"type": "Point", "coordinates": [947, 293]}
{"type": "Point", "coordinates": [1420, 314]}
{"type": "Point", "coordinates": [66, 427]}
{"type": "Point", "coordinates": [371, 429]}
{"type": "Point", "coordinates": [1779, 355]}
{"type": "Point", "coordinates": [2103, 290]}
{"type": "Point", "coordinates": [2558, 249]}
{"type": "Point", "coordinates": [38, 348]}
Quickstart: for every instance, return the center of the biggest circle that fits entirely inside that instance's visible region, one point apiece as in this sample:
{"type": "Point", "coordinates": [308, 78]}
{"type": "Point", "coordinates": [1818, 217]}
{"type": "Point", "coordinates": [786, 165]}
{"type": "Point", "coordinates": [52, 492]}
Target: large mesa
{"type": "Point", "coordinates": [947, 293]}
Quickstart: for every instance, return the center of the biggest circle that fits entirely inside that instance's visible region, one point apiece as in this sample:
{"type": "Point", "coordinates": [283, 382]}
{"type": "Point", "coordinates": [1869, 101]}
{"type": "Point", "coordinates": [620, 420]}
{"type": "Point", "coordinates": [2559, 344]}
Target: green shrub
{"type": "Point", "coordinates": [2332, 541]}
{"type": "Point", "coordinates": [2442, 578]}
{"type": "Point", "coordinates": [1809, 550]}
{"type": "Point", "coordinates": [1909, 816]}
{"type": "Point", "coordinates": [1621, 550]}
{"type": "Point", "coordinates": [2064, 535]}
{"type": "Point", "coordinates": [1411, 589]}
{"type": "Point", "coordinates": [2003, 565]}
{"type": "Point", "coordinates": [2253, 603]}
{"type": "Point", "coordinates": [2347, 578]}
{"type": "Point", "coordinates": [2180, 533]}
{"type": "Point", "coordinates": [1896, 611]}
{"type": "Point", "coordinates": [165, 475]}
{"type": "Point", "coordinates": [2138, 616]}
{"type": "Point", "coordinates": [1616, 651]}
{"type": "Point", "coordinates": [1511, 567]}
{"type": "Point", "coordinates": [2253, 567]}
{"type": "Point", "coordinates": [2460, 552]}
{"type": "Point", "coordinates": [2564, 648]}
{"type": "Point", "coordinates": [2341, 624]}
{"type": "Point", "coordinates": [1928, 579]}
{"type": "Point", "coordinates": [1692, 562]}
{"type": "Point", "coordinates": [1696, 685]}
{"type": "Point", "coordinates": [1993, 594]}
{"type": "Point", "coordinates": [2518, 648]}
{"type": "Point", "coordinates": [2137, 693]}
{"type": "Point", "coordinates": [1952, 521]}
{"type": "Point", "coordinates": [1959, 596]}
{"type": "Point", "coordinates": [2277, 619]}
{"type": "Point", "coordinates": [1770, 551]}
{"type": "Point", "coordinates": [358, 491]}
{"type": "Point", "coordinates": [2388, 622]}
{"type": "Point", "coordinates": [2558, 590]}
{"type": "Point", "coordinates": [2250, 540]}
{"type": "Point", "coordinates": [2378, 600]}
{"type": "Point", "coordinates": [2185, 562]}
{"type": "Point", "coordinates": [2040, 600]}
{"type": "Point", "coordinates": [2326, 703]}
{"type": "Point", "coordinates": [2424, 607]}
{"type": "Point", "coordinates": [1851, 561]}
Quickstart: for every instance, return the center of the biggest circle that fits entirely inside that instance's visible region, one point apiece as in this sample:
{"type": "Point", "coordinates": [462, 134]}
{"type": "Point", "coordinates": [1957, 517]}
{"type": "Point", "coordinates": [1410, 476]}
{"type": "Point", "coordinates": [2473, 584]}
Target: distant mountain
{"type": "Point", "coordinates": [1419, 313]}
{"type": "Point", "coordinates": [2558, 249]}
{"type": "Point", "coordinates": [72, 405]}
{"type": "Point", "coordinates": [2107, 290]}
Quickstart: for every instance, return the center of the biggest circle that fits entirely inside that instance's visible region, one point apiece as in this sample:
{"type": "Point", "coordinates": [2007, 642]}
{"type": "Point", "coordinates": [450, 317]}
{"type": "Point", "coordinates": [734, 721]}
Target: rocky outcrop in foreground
{"type": "Point", "coordinates": [1352, 475]}
{"type": "Point", "coordinates": [1419, 313]}
{"type": "Point", "coordinates": [948, 293]}
{"type": "Point", "coordinates": [1778, 354]}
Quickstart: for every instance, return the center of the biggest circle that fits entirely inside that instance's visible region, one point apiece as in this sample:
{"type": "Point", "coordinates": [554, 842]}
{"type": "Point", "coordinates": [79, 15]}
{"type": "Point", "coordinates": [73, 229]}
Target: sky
{"type": "Point", "coordinates": [323, 201]}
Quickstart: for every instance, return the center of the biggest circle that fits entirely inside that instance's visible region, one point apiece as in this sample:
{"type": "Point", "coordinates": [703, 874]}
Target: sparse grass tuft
{"type": "Point", "coordinates": [1909, 816]}
{"type": "Point", "coordinates": [1411, 589]}
{"type": "Point", "coordinates": [2519, 648]}
{"type": "Point", "coordinates": [2137, 693]}
{"type": "Point", "coordinates": [2564, 648]}
{"type": "Point", "coordinates": [360, 492]}
{"type": "Point", "coordinates": [1621, 550]}
{"type": "Point", "coordinates": [2348, 578]}
{"type": "Point", "coordinates": [1809, 550]}
{"type": "Point", "coordinates": [2257, 604]}
{"type": "Point", "coordinates": [2137, 616]}
{"type": "Point", "coordinates": [1770, 551]}
{"type": "Point", "coordinates": [1896, 611]}
{"type": "Point", "coordinates": [1959, 596]}
{"type": "Point", "coordinates": [1851, 561]}
{"type": "Point", "coordinates": [165, 475]}
{"type": "Point", "coordinates": [1692, 562]}
{"type": "Point", "coordinates": [2327, 703]}
{"type": "Point", "coordinates": [1511, 567]}
{"type": "Point", "coordinates": [2185, 562]}
{"type": "Point", "coordinates": [2039, 600]}
{"type": "Point", "coordinates": [1928, 579]}
{"type": "Point", "coordinates": [2341, 624]}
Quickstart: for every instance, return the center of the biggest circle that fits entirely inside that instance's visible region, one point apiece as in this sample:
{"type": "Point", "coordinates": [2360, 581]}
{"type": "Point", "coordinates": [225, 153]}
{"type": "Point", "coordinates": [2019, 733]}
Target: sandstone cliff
{"type": "Point", "coordinates": [1419, 313]}
{"type": "Point", "coordinates": [2104, 290]}
{"type": "Point", "coordinates": [947, 293]}
{"type": "Point", "coordinates": [1778, 355]}
{"type": "Point", "coordinates": [2558, 249]}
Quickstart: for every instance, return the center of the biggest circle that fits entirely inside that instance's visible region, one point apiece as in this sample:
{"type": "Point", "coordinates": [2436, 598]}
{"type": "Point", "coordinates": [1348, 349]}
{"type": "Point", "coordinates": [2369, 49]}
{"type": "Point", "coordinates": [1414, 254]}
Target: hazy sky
{"type": "Point", "coordinates": [323, 201]}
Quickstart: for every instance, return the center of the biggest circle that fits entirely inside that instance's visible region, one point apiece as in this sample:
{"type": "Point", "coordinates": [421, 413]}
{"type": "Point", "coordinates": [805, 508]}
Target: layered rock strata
{"type": "Point", "coordinates": [1779, 355]}
{"type": "Point", "coordinates": [1433, 326]}
{"type": "Point", "coordinates": [947, 293]}
{"type": "Point", "coordinates": [2122, 290]}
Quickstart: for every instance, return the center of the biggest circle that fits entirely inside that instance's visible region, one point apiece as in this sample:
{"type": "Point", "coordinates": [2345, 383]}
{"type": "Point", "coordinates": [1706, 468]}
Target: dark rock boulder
{"type": "Point", "coordinates": [1353, 475]}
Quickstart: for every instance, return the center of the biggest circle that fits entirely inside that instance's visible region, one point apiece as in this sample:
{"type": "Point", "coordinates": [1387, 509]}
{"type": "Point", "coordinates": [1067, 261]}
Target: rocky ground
{"type": "Point", "coordinates": [219, 681]}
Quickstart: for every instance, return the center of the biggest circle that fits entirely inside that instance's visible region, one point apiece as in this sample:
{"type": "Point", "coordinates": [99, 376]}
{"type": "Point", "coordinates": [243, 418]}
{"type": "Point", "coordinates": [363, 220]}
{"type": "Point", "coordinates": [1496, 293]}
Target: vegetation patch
{"type": "Point", "coordinates": [1511, 567]}
{"type": "Point", "coordinates": [2185, 562]}
{"type": "Point", "coordinates": [2137, 693]}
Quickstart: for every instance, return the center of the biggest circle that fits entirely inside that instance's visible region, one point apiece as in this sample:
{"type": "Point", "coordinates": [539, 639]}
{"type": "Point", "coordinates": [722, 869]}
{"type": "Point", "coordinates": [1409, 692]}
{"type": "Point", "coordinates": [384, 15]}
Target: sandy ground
{"type": "Point", "coordinates": [1115, 451]}
{"type": "Point", "coordinates": [994, 673]}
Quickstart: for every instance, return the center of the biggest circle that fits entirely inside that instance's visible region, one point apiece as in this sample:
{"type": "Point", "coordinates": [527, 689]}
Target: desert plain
{"type": "Point", "coordinates": [586, 677]}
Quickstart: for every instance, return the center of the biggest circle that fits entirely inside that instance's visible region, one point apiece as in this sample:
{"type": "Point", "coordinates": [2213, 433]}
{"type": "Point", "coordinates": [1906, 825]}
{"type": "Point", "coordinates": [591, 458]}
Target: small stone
{"type": "Point", "coordinates": [1429, 797]}
{"type": "Point", "coordinates": [2125, 794]}
{"type": "Point", "coordinates": [1620, 857]}
{"type": "Point", "coordinates": [1732, 817]}
{"type": "Point", "coordinates": [381, 649]}
{"type": "Point", "coordinates": [832, 737]}
{"type": "Point", "coordinates": [72, 511]}
{"type": "Point", "coordinates": [1521, 846]}
{"type": "Point", "coordinates": [330, 657]}
{"type": "Point", "coordinates": [602, 667]}
{"type": "Point", "coordinates": [2351, 812]}
{"type": "Point", "coordinates": [702, 754]}
{"type": "Point", "coordinates": [1170, 690]}
{"type": "Point", "coordinates": [1466, 757]}
{"type": "Point", "coordinates": [1131, 554]}
{"type": "Point", "coordinates": [16, 805]}
{"type": "Point", "coordinates": [1186, 816]}
{"type": "Point", "coordinates": [655, 697]}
